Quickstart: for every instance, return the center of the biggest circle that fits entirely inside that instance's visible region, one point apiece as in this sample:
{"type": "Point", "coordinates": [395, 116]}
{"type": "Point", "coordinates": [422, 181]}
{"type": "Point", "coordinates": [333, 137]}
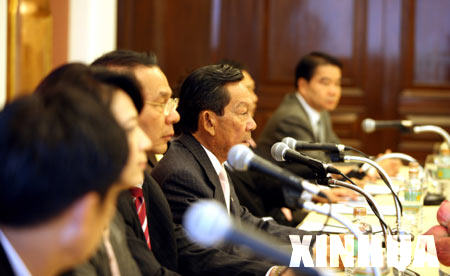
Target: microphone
{"type": "Point", "coordinates": [281, 152]}
{"type": "Point", "coordinates": [302, 145]}
{"type": "Point", "coordinates": [242, 158]}
{"type": "Point", "coordinates": [208, 223]}
{"type": "Point", "coordinates": [369, 125]}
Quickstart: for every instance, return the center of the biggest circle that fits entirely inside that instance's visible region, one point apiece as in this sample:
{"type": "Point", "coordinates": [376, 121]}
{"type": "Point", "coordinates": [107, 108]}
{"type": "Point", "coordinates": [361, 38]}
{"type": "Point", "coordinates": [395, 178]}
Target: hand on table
{"type": "Point", "coordinates": [441, 233]}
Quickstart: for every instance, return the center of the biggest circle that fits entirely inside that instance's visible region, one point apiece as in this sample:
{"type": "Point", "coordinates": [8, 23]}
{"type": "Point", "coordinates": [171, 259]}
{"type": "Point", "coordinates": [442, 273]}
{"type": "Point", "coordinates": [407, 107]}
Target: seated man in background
{"type": "Point", "coordinates": [215, 111]}
{"type": "Point", "coordinates": [304, 114]}
{"type": "Point", "coordinates": [58, 181]}
{"type": "Point", "coordinates": [159, 246]}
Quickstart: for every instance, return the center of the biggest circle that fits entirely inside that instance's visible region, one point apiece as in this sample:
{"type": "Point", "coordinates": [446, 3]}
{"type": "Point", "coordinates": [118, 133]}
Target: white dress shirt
{"type": "Point", "coordinates": [218, 168]}
{"type": "Point", "coordinates": [313, 115]}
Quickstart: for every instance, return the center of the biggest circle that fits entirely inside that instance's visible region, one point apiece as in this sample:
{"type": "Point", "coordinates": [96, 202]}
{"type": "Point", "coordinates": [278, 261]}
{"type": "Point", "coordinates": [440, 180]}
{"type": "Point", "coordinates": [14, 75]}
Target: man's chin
{"type": "Point", "coordinates": [246, 143]}
{"type": "Point", "coordinates": [159, 149]}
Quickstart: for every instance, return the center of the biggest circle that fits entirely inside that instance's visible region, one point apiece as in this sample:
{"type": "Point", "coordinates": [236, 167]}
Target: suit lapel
{"type": "Point", "coordinates": [302, 113]}
{"type": "Point", "coordinates": [202, 158]}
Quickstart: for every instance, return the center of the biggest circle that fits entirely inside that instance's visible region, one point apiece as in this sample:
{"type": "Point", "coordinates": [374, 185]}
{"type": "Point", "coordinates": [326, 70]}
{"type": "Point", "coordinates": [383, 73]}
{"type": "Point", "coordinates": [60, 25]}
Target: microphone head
{"type": "Point", "coordinates": [239, 157]}
{"type": "Point", "coordinates": [278, 150]}
{"type": "Point", "coordinates": [290, 142]}
{"type": "Point", "coordinates": [207, 222]}
{"type": "Point", "coordinates": [368, 125]}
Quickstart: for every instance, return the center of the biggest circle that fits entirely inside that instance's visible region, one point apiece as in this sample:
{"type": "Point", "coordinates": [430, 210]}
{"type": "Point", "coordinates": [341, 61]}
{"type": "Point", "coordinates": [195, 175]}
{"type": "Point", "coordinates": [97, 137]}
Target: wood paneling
{"type": "Point", "coordinates": [298, 27]}
{"type": "Point", "coordinates": [424, 95]}
{"type": "Point", "coordinates": [432, 43]}
{"type": "Point", "coordinates": [396, 54]}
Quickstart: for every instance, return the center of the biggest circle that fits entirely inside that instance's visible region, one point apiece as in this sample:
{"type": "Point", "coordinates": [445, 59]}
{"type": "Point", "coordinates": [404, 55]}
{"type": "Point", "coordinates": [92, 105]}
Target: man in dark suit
{"type": "Point", "coordinates": [259, 193]}
{"type": "Point", "coordinates": [304, 114]}
{"type": "Point", "coordinates": [169, 252]}
{"type": "Point", "coordinates": [63, 154]}
{"type": "Point", "coordinates": [215, 115]}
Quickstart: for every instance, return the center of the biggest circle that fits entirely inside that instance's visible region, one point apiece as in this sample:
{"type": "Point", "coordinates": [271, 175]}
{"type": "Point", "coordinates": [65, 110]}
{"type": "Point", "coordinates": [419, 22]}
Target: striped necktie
{"type": "Point", "coordinates": [141, 212]}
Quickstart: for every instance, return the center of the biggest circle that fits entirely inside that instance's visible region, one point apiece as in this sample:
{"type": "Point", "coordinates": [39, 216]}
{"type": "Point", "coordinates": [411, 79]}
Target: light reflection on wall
{"type": "Point", "coordinates": [29, 45]}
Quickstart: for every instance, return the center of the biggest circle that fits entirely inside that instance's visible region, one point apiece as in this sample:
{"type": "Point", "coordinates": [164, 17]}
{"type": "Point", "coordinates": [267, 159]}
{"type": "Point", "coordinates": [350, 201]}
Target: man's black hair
{"type": "Point", "coordinates": [307, 65]}
{"type": "Point", "coordinates": [55, 147]}
{"type": "Point", "coordinates": [126, 58]}
{"type": "Point", "coordinates": [90, 80]}
{"type": "Point", "coordinates": [202, 90]}
{"type": "Point", "coordinates": [233, 63]}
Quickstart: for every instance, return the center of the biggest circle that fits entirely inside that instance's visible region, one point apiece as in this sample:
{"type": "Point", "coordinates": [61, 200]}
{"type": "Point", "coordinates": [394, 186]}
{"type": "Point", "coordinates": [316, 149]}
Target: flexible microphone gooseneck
{"type": "Point", "coordinates": [281, 152]}
{"type": "Point", "coordinates": [242, 158]}
{"type": "Point", "coordinates": [386, 179]}
{"type": "Point", "coordinates": [370, 200]}
{"type": "Point", "coordinates": [326, 210]}
{"type": "Point", "coordinates": [334, 150]}
{"type": "Point", "coordinates": [435, 129]}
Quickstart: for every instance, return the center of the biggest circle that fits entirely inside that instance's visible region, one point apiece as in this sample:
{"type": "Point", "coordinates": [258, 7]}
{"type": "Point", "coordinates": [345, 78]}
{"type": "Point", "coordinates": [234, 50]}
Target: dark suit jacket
{"type": "Point", "coordinates": [291, 120]}
{"type": "Point", "coordinates": [186, 175]}
{"type": "Point", "coordinates": [98, 264]}
{"type": "Point", "coordinates": [172, 252]}
{"type": "Point", "coordinates": [5, 266]}
{"type": "Point", "coordinates": [262, 196]}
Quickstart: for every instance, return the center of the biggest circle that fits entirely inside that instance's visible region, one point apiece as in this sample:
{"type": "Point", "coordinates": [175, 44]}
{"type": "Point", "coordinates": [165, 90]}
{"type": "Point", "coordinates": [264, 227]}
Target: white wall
{"type": "Point", "coordinates": [92, 29]}
{"type": "Point", "coordinates": [3, 41]}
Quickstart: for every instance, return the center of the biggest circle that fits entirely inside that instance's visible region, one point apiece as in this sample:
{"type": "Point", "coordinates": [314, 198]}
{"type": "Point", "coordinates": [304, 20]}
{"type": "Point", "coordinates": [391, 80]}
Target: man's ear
{"type": "Point", "coordinates": [208, 121]}
{"type": "Point", "coordinates": [302, 84]}
{"type": "Point", "coordinates": [76, 216]}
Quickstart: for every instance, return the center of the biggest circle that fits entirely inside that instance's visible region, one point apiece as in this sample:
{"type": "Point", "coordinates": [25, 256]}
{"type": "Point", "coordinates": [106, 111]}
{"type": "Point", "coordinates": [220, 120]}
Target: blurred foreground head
{"type": "Point", "coordinates": [63, 152]}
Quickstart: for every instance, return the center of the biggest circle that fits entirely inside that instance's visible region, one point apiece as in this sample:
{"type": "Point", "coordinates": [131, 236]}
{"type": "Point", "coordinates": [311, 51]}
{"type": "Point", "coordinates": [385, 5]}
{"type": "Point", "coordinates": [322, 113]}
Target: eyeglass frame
{"type": "Point", "coordinates": [167, 107]}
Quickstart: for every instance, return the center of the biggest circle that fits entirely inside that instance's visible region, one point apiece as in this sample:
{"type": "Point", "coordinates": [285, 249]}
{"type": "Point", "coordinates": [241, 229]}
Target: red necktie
{"type": "Point", "coordinates": [142, 212]}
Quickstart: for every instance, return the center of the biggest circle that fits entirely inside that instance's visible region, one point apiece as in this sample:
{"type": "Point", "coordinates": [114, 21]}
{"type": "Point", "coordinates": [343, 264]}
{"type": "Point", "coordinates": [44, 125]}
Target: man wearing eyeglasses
{"type": "Point", "coordinates": [159, 112]}
{"type": "Point", "coordinates": [159, 246]}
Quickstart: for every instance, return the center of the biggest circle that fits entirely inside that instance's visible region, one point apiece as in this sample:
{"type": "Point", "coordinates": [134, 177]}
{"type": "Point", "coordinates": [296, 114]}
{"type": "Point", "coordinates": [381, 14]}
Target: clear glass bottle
{"type": "Point", "coordinates": [443, 171]}
{"type": "Point", "coordinates": [412, 200]}
{"type": "Point", "coordinates": [359, 220]}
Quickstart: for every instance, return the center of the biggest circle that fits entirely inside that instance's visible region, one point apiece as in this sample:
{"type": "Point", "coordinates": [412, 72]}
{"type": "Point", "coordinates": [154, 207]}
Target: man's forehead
{"type": "Point", "coordinates": [239, 93]}
{"type": "Point", "coordinates": [154, 82]}
{"type": "Point", "coordinates": [327, 70]}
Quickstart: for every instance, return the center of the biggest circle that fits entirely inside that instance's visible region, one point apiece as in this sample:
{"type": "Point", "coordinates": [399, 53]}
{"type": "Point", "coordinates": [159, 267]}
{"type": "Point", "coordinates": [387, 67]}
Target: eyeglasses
{"type": "Point", "coordinates": [165, 108]}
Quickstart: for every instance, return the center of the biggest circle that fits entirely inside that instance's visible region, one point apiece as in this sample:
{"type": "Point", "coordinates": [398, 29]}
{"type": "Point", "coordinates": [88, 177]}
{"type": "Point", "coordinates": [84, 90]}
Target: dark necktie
{"type": "Point", "coordinates": [141, 212]}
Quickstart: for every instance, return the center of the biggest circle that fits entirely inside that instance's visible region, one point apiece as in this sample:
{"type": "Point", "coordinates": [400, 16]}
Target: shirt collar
{"type": "Point", "coordinates": [313, 115]}
{"type": "Point", "coordinates": [14, 259]}
{"type": "Point", "coordinates": [215, 162]}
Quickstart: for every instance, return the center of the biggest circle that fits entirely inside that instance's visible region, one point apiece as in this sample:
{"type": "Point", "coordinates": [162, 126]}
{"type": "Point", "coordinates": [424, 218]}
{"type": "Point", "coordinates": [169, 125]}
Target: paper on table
{"type": "Point", "coordinates": [379, 189]}
{"type": "Point", "coordinates": [338, 229]}
{"type": "Point", "coordinates": [347, 208]}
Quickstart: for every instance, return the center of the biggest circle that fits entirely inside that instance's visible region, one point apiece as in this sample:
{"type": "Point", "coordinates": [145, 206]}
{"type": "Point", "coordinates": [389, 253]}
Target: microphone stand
{"type": "Point", "coordinates": [398, 155]}
{"type": "Point", "coordinates": [401, 156]}
{"type": "Point", "coordinates": [372, 203]}
{"type": "Point", "coordinates": [386, 179]}
{"type": "Point", "coordinates": [324, 210]}
{"type": "Point", "coordinates": [435, 129]}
